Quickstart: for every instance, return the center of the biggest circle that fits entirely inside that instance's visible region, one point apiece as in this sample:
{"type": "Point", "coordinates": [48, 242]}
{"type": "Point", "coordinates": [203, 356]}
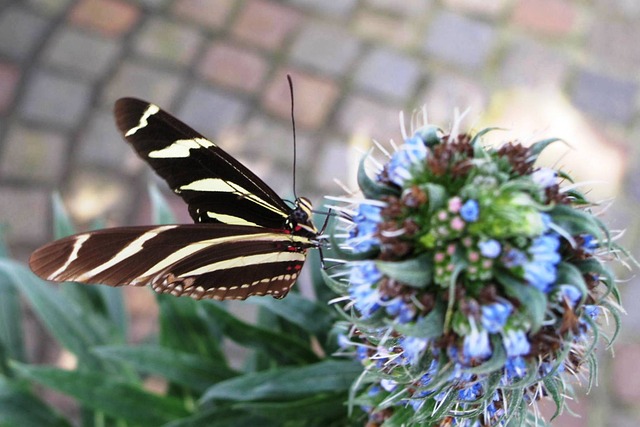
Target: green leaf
{"type": "Point", "coordinates": [11, 331]}
{"type": "Point", "coordinates": [186, 369]}
{"type": "Point", "coordinates": [331, 376]}
{"type": "Point", "coordinates": [534, 301]}
{"type": "Point", "coordinates": [537, 147]}
{"type": "Point", "coordinates": [160, 210]}
{"type": "Point", "coordinates": [185, 327]}
{"type": "Point", "coordinates": [436, 195]}
{"type": "Point", "coordinates": [370, 188]}
{"type": "Point", "coordinates": [76, 329]}
{"type": "Point", "coordinates": [317, 410]}
{"type": "Point", "coordinates": [592, 265]}
{"type": "Point", "coordinates": [313, 317]}
{"type": "Point", "coordinates": [429, 326]}
{"type": "Point", "coordinates": [62, 224]}
{"type": "Point", "coordinates": [223, 417]}
{"type": "Point", "coordinates": [338, 286]}
{"type": "Point", "coordinates": [20, 407]}
{"type": "Point", "coordinates": [278, 345]}
{"type": "Point", "coordinates": [497, 359]}
{"type": "Point", "coordinates": [98, 391]}
{"type": "Point", "coordinates": [476, 142]}
{"type": "Point", "coordinates": [414, 272]}
{"type": "Point", "coordinates": [115, 308]}
{"type": "Point", "coordinates": [577, 222]}
{"type": "Point", "coordinates": [569, 274]}
{"type": "Point", "coordinates": [555, 388]}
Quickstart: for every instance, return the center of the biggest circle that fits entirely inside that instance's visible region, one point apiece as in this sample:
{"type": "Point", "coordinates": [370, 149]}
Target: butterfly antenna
{"type": "Point", "coordinates": [293, 126]}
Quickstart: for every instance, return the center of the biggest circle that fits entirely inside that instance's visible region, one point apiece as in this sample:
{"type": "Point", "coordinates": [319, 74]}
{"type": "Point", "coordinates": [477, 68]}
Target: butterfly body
{"type": "Point", "coordinates": [245, 241]}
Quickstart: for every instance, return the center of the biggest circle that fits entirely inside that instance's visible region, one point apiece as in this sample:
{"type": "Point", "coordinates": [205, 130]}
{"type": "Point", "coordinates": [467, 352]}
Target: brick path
{"type": "Point", "coordinates": [554, 67]}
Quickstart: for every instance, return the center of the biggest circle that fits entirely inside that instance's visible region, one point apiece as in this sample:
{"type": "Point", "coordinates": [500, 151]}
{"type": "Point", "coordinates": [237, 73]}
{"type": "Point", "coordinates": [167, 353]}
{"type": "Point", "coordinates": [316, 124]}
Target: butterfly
{"type": "Point", "coordinates": [246, 240]}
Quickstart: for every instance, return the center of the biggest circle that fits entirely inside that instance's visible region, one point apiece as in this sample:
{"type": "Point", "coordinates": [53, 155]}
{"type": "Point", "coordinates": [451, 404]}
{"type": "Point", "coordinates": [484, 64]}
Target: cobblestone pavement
{"type": "Point", "coordinates": [539, 67]}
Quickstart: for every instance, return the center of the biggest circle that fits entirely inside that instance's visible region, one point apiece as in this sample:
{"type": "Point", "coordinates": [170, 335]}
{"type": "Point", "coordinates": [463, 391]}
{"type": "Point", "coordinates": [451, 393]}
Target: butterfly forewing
{"type": "Point", "coordinates": [200, 260]}
{"type": "Point", "coordinates": [216, 187]}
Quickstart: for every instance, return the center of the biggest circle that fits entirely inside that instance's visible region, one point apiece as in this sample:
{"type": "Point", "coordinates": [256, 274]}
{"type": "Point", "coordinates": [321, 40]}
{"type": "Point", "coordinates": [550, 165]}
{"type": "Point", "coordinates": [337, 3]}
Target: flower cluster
{"type": "Point", "coordinates": [474, 283]}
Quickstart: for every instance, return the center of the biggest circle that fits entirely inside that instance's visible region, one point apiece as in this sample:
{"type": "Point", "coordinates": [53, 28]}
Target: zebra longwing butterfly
{"type": "Point", "coordinates": [245, 241]}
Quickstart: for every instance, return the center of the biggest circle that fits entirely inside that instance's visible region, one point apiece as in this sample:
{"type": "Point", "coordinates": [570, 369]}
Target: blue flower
{"type": "Point", "coordinates": [589, 243]}
{"type": "Point", "coordinates": [401, 310]}
{"type": "Point", "coordinates": [541, 270]}
{"type": "Point", "coordinates": [516, 343]}
{"type": "Point", "coordinates": [367, 218]}
{"type": "Point", "coordinates": [476, 344]}
{"type": "Point", "coordinates": [471, 392]}
{"type": "Point", "coordinates": [514, 258]}
{"type": "Point", "coordinates": [494, 316]}
{"type": "Point", "coordinates": [470, 211]}
{"type": "Point", "coordinates": [545, 248]}
{"type": "Point", "coordinates": [540, 275]}
{"type": "Point", "coordinates": [410, 154]}
{"type": "Point", "coordinates": [514, 369]}
{"type": "Point", "coordinates": [490, 248]}
{"type": "Point", "coordinates": [413, 348]}
{"type": "Point", "coordinates": [571, 293]}
{"type": "Point", "coordinates": [363, 277]}
{"type": "Point", "coordinates": [592, 311]}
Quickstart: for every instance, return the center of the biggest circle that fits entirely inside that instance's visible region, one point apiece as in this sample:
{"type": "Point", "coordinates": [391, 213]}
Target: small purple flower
{"type": "Point", "coordinates": [413, 348]}
{"type": "Point", "coordinates": [494, 316]}
{"type": "Point", "coordinates": [470, 211]}
{"type": "Point", "coordinates": [490, 248]}
{"type": "Point", "coordinates": [516, 343]}
{"type": "Point", "coordinates": [544, 177]}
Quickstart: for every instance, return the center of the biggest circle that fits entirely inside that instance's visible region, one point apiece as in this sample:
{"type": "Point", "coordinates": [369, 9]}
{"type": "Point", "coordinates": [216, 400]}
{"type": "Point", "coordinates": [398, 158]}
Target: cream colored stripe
{"type": "Point", "coordinates": [244, 261]}
{"type": "Point", "coordinates": [220, 185]}
{"type": "Point", "coordinates": [230, 219]}
{"type": "Point", "coordinates": [197, 246]}
{"type": "Point", "coordinates": [129, 250]}
{"type": "Point", "coordinates": [150, 111]}
{"type": "Point", "coordinates": [180, 148]}
{"type": "Point", "coordinates": [72, 257]}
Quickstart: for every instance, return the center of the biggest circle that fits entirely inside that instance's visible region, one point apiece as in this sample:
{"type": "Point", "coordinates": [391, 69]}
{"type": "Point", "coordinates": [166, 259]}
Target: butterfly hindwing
{"type": "Point", "coordinates": [216, 187]}
{"type": "Point", "coordinates": [199, 260]}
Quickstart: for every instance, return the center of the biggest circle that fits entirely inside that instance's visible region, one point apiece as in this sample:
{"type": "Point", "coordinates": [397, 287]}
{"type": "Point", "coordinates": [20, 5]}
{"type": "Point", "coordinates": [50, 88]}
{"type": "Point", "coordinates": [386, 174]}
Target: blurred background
{"type": "Point", "coordinates": [537, 68]}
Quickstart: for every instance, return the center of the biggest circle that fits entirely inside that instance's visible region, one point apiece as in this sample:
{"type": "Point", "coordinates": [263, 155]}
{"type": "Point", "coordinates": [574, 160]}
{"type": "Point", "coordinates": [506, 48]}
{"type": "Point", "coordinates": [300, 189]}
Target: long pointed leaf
{"type": "Point", "coordinates": [278, 345]}
{"type": "Point", "coordinates": [311, 316]}
{"type": "Point", "coordinates": [19, 407]}
{"type": "Point", "coordinates": [120, 400]}
{"type": "Point", "coordinates": [289, 382]}
{"type": "Point", "coordinates": [181, 368]}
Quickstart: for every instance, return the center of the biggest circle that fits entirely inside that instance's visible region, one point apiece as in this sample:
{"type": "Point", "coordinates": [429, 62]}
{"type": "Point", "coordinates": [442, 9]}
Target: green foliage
{"type": "Point", "coordinates": [288, 379]}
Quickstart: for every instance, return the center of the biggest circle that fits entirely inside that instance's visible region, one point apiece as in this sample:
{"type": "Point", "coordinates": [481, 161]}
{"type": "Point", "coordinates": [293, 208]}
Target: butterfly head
{"type": "Point", "coordinates": [300, 218]}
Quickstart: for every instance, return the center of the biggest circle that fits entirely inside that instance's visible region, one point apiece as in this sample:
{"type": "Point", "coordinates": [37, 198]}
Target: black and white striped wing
{"type": "Point", "coordinates": [199, 260]}
{"type": "Point", "coordinates": [216, 187]}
